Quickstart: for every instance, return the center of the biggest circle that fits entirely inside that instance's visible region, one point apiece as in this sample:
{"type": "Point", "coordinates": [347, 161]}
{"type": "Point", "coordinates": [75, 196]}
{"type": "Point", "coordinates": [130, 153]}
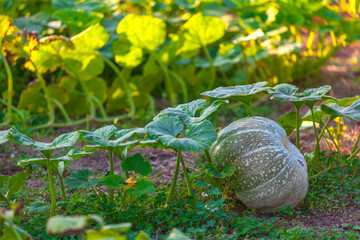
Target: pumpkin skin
{"type": "Point", "coordinates": [270, 171]}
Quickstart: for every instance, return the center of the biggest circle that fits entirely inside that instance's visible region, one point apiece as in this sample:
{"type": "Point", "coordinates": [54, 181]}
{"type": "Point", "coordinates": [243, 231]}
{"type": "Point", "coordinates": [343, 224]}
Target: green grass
{"type": "Point", "coordinates": [330, 210]}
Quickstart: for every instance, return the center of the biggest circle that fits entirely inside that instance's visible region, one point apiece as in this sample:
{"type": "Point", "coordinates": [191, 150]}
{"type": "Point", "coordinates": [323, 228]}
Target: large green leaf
{"type": "Point", "coordinates": [197, 136]}
{"type": "Point", "coordinates": [352, 111]}
{"type": "Point", "coordinates": [138, 164]}
{"type": "Point", "coordinates": [243, 93]}
{"type": "Point", "coordinates": [287, 92]}
{"type": "Point", "coordinates": [80, 178]}
{"type": "Point", "coordinates": [200, 31]}
{"type": "Point", "coordinates": [94, 37]}
{"type": "Point", "coordinates": [226, 172]}
{"type": "Point", "coordinates": [319, 116]}
{"type": "Point", "coordinates": [125, 53]}
{"type": "Point", "coordinates": [47, 56]}
{"type": "Point", "coordinates": [100, 136]}
{"type": "Point", "coordinates": [17, 182]}
{"type": "Point", "coordinates": [195, 111]}
{"type": "Point", "coordinates": [57, 164]}
{"type": "Point", "coordinates": [77, 154]}
{"type": "Point", "coordinates": [15, 135]}
{"type": "Point", "coordinates": [143, 31]}
{"type": "Point", "coordinates": [288, 122]}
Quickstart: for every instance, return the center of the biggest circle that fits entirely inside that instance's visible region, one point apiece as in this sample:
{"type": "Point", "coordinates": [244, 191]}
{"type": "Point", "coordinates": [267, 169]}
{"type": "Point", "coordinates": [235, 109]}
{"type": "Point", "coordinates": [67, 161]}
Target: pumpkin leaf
{"type": "Point", "coordinates": [197, 136]}
{"type": "Point", "coordinates": [112, 181]}
{"type": "Point", "coordinates": [145, 32]}
{"type": "Point", "coordinates": [6, 27]}
{"type": "Point", "coordinates": [343, 102]}
{"type": "Point", "coordinates": [352, 111]}
{"type": "Point", "coordinates": [319, 116]}
{"type": "Point", "coordinates": [200, 31]}
{"type": "Point", "coordinates": [4, 136]}
{"type": "Point", "coordinates": [120, 227]}
{"type": "Point", "coordinates": [15, 135]}
{"type": "Point", "coordinates": [17, 182]}
{"type": "Point", "coordinates": [47, 56]}
{"type": "Point", "coordinates": [287, 92]}
{"type": "Point", "coordinates": [288, 122]}
{"type": "Point", "coordinates": [187, 112]}
{"type": "Point", "coordinates": [142, 187]}
{"type": "Point", "coordinates": [77, 154]}
{"type": "Point", "coordinates": [57, 164]}
{"type": "Point", "coordinates": [138, 164]}
{"type": "Point", "coordinates": [70, 224]}
{"type": "Point", "coordinates": [125, 53]}
{"type": "Point", "coordinates": [243, 93]}
{"type": "Point", "coordinates": [226, 172]}
{"type": "Point", "coordinates": [80, 178]}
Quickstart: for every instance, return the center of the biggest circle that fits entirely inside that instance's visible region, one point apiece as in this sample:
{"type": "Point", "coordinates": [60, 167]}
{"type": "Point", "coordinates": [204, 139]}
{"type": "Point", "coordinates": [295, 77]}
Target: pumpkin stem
{"type": "Point", "coordinates": [317, 147]}
{"type": "Point", "coordinates": [187, 179]}
{"type": "Point", "coordinates": [174, 181]}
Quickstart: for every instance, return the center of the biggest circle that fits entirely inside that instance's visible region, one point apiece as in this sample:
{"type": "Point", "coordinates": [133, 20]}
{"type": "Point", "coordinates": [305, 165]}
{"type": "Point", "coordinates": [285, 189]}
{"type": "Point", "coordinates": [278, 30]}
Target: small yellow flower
{"type": "Point", "coordinates": [130, 182]}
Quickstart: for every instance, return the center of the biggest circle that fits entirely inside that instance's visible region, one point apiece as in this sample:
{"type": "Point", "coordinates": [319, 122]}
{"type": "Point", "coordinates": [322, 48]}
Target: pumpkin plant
{"type": "Point", "coordinates": [351, 111]}
{"type": "Point", "coordinates": [242, 93]}
{"type": "Point", "coordinates": [58, 165]}
{"type": "Point", "coordinates": [180, 136]}
{"type": "Point", "coordinates": [286, 92]}
{"type": "Point", "coordinates": [135, 39]}
{"type": "Point", "coordinates": [14, 184]}
{"type": "Point", "coordinates": [101, 139]}
{"type": "Point", "coordinates": [47, 149]}
{"type": "Point", "coordinates": [197, 33]}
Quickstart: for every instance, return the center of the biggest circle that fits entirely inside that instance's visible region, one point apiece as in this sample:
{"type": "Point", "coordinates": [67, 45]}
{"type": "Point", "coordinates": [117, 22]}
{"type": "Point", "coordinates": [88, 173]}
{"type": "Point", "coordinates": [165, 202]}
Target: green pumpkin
{"type": "Point", "coordinates": [270, 171]}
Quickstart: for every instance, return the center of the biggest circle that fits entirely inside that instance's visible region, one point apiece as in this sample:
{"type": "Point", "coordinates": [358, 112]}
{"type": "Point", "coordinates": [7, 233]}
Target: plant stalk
{"type": "Point", "coordinates": [52, 188]}
{"type": "Point", "coordinates": [112, 191]}
{"type": "Point", "coordinates": [212, 68]}
{"type": "Point", "coordinates": [325, 126]}
{"type": "Point", "coordinates": [10, 87]}
{"type": "Point", "coordinates": [207, 154]}
{"type": "Point", "coordinates": [356, 143]}
{"type": "Point", "coordinates": [298, 117]}
{"type": "Point", "coordinates": [63, 191]}
{"type": "Point", "coordinates": [187, 179]}
{"type": "Point", "coordinates": [317, 147]}
{"type": "Point", "coordinates": [124, 84]}
{"type": "Point", "coordinates": [174, 181]}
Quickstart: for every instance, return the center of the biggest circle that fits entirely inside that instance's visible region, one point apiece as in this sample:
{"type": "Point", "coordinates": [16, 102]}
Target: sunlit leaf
{"type": "Point", "coordinates": [200, 31]}
{"type": "Point", "coordinates": [112, 181]}
{"type": "Point", "coordinates": [143, 31]}
{"type": "Point", "coordinates": [70, 224]}
{"type": "Point", "coordinates": [176, 234]}
{"type": "Point", "coordinates": [142, 187]}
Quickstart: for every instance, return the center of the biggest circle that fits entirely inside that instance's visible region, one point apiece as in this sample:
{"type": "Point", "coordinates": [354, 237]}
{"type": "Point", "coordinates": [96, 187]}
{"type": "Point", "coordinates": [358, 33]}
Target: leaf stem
{"type": "Point", "coordinates": [187, 179]}
{"type": "Point", "coordinates": [325, 126]}
{"type": "Point", "coordinates": [51, 187]}
{"type": "Point", "coordinates": [10, 87]}
{"type": "Point", "coordinates": [2, 196]}
{"type": "Point", "coordinates": [63, 192]}
{"type": "Point", "coordinates": [251, 110]}
{"type": "Point", "coordinates": [175, 177]}
{"type": "Point", "coordinates": [317, 147]}
{"type": "Point", "coordinates": [356, 143]}
{"type": "Point", "coordinates": [112, 191]}
{"type": "Point", "coordinates": [207, 154]}
{"type": "Point", "coordinates": [168, 83]}
{"type": "Point", "coordinates": [298, 118]}
{"type": "Point", "coordinates": [212, 68]}
{"type": "Point", "coordinates": [123, 83]}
